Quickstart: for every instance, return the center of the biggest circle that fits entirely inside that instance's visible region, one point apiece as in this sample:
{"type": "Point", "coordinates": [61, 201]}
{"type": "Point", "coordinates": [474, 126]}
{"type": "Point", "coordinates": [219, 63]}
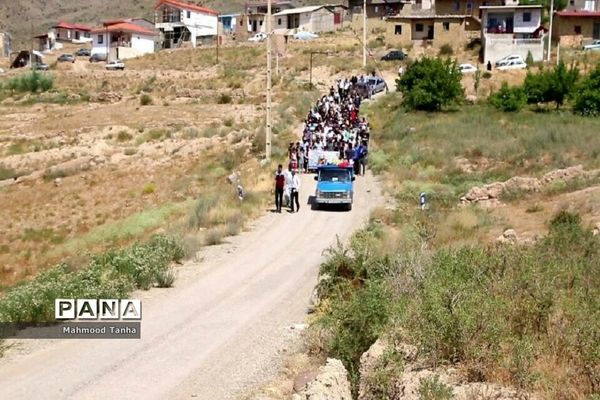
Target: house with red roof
{"type": "Point", "coordinates": [124, 38]}
{"type": "Point", "coordinates": [69, 32]}
{"type": "Point", "coordinates": [179, 22]}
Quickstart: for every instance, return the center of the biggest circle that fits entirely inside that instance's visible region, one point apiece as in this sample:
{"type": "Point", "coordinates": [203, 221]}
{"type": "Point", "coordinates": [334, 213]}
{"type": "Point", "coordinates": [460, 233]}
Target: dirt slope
{"type": "Point", "coordinates": [214, 336]}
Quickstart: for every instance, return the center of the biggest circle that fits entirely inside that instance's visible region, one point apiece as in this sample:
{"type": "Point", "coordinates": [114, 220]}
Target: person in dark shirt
{"type": "Point", "coordinates": [279, 185]}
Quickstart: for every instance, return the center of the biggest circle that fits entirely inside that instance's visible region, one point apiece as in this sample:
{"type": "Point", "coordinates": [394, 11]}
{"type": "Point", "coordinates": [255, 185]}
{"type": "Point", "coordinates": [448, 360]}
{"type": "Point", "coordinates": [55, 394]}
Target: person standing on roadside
{"type": "Point", "coordinates": [295, 189]}
{"type": "Point", "coordinates": [279, 185]}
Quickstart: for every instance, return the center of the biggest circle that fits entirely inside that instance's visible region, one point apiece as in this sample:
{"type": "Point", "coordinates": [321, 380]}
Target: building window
{"type": "Point", "coordinates": [279, 21]}
{"type": "Point", "coordinates": [469, 6]}
{"type": "Point", "coordinates": [261, 22]}
{"type": "Point", "coordinates": [376, 9]}
{"type": "Point", "coordinates": [578, 29]}
{"type": "Point", "coordinates": [455, 6]}
{"type": "Point", "coordinates": [398, 30]}
{"type": "Point", "coordinates": [572, 2]}
{"type": "Point", "coordinates": [527, 17]}
{"type": "Point", "coordinates": [419, 27]}
{"type": "Point", "coordinates": [100, 39]}
{"type": "Point", "coordinates": [189, 14]}
{"type": "Point", "coordinates": [446, 26]}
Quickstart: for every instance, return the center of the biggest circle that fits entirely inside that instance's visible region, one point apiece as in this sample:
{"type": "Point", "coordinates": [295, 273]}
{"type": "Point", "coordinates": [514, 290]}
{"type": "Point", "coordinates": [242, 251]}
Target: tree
{"type": "Point", "coordinates": [587, 95]}
{"type": "Point", "coordinates": [551, 86]}
{"type": "Point", "coordinates": [430, 84]}
{"type": "Point", "coordinates": [508, 99]}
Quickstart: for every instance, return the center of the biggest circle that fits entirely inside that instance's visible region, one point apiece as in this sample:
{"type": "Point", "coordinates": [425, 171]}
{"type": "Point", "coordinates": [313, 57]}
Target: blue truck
{"type": "Point", "coordinates": [335, 185]}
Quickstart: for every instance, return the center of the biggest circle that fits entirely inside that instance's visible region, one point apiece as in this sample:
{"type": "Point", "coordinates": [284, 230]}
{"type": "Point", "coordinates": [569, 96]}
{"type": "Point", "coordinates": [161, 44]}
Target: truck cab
{"type": "Point", "coordinates": [335, 185]}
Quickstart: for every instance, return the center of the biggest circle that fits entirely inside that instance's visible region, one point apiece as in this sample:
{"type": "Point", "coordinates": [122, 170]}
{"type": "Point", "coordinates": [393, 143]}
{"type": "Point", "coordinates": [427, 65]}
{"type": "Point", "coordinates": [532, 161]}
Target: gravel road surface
{"type": "Point", "coordinates": [218, 333]}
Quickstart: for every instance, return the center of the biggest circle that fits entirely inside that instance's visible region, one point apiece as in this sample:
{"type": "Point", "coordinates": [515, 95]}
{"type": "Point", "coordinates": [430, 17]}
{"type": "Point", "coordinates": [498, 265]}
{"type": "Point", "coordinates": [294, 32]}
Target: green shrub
{"type": "Point", "coordinates": [446, 50]}
{"type": "Point", "coordinates": [110, 275]}
{"type": "Point", "coordinates": [149, 188]}
{"type": "Point", "coordinates": [587, 95]}
{"type": "Point", "coordinates": [433, 389]}
{"type": "Point", "coordinates": [33, 82]}
{"type": "Point", "coordinates": [124, 136]}
{"type": "Point", "coordinates": [165, 279]}
{"type": "Point", "coordinates": [224, 98]}
{"type": "Point", "coordinates": [430, 84]}
{"type": "Point", "coordinates": [145, 99]}
{"type": "Point", "coordinates": [508, 99]}
{"type": "Point", "coordinates": [8, 173]}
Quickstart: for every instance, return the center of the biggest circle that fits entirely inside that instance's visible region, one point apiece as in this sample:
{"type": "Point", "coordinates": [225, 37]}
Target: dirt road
{"type": "Point", "coordinates": [216, 334]}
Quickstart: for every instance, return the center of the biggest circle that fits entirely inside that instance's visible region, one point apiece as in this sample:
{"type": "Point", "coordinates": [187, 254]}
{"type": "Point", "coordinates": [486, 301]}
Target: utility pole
{"type": "Point", "coordinates": [218, 38]}
{"type": "Point", "coordinates": [364, 33]}
{"type": "Point", "coordinates": [550, 30]}
{"type": "Point", "coordinates": [269, 67]}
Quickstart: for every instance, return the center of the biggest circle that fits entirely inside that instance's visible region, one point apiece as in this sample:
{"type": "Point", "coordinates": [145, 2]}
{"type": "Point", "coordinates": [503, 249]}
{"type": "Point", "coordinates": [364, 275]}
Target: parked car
{"type": "Point", "coordinates": [259, 37]}
{"type": "Point", "coordinates": [97, 57]}
{"type": "Point", "coordinates": [40, 66]}
{"type": "Point", "coordinates": [66, 58]}
{"type": "Point", "coordinates": [466, 68]}
{"type": "Point", "coordinates": [305, 35]}
{"type": "Point", "coordinates": [513, 64]}
{"type": "Point", "coordinates": [394, 55]}
{"type": "Point", "coordinates": [376, 84]}
{"type": "Point", "coordinates": [507, 59]}
{"type": "Point", "coordinates": [595, 45]}
{"type": "Point", "coordinates": [83, 53]}
{"type": "Point", "coordinates": [115, 65]}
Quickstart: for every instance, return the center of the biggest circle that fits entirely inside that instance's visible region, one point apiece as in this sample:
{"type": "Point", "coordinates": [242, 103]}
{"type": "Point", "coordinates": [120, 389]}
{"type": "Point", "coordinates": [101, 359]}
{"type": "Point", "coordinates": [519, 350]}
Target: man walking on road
{"type": "Point", "coordinates": [295, 188]}
{"type": "Point", "coordinates": [279, 185]}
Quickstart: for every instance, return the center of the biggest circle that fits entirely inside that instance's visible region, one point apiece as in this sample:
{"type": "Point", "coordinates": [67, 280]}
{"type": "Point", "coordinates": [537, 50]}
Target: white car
{"type": "Point", "coordinates": [595, 45]}
{"type": "Point", "coordinates": [507, 59]}
{"type": "Point", "coordinates": [513, 64]}
{"type": "Point", "coordinates": [305, 35]}
{"type": "Point", "coordinates": [115, 65]}
{"type": "Point", "coordinates": [466, 68]}
{"type": "Point", "coordinates": [259, 37]}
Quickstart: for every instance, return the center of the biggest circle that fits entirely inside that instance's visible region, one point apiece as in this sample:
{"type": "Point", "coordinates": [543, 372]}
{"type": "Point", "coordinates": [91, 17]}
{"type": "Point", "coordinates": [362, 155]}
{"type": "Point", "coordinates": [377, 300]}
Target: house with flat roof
{"type": "Point", "coordinates": [179, 22]}
{"type": "Point", "coordinates": [512, 30]}
{"type": "Point", "coordinates": [312, 19]}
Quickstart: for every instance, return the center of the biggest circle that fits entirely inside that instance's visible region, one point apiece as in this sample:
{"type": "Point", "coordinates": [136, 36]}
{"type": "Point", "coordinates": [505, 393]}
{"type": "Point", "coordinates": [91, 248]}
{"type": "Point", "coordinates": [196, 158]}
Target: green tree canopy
{"type": "Point", "coordinates": [430, 84]}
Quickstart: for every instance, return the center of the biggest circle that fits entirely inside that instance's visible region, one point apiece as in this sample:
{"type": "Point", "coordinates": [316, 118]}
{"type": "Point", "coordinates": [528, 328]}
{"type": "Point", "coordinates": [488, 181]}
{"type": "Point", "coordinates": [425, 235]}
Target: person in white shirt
{"type": "Point", "coordinates": [295, 188]}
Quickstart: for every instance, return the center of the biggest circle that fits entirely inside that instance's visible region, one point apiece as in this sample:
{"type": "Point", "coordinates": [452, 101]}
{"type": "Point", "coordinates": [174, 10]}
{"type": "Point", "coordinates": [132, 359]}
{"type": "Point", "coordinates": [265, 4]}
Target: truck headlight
{"type": "Point", "coordinates": [319, 193]}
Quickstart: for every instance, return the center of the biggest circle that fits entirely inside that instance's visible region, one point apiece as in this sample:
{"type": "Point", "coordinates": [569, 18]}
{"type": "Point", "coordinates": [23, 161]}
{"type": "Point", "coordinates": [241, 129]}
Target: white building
{"type": "Point", "coordinates": [180, 22]}
{"type": "Point", "coordinates": [123, 40]}
{"type": "Point", "coordinates": [312, 18]}
{"type": "Point", "coordinates": [515, 29]}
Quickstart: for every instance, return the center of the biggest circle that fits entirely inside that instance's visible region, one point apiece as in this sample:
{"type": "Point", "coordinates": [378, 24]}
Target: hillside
{"type": "Point", "coordinates": [23, 18]}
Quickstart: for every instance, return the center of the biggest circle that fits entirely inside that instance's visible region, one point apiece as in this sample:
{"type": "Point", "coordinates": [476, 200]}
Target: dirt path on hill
{"type": "Point", "coordinates": [217, 334]}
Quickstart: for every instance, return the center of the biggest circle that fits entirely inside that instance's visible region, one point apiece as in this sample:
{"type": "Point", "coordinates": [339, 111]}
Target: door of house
{"type": "Point", "coordinates": [254, 26]}
{"type": "Point", "coordinates": [430, 32]}
{"type": "Point", "coordinates": [337, 18]}
{"type": "Point", "coordinates": [596, 30]}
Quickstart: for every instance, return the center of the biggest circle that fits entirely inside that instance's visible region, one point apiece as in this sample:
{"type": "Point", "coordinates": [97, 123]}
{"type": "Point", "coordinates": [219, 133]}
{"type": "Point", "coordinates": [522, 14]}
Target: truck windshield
{"type": "Point", "coordinates": [334, 175]}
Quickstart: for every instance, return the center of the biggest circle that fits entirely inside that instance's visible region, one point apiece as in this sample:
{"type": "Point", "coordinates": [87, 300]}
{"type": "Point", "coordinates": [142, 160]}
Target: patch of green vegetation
{"type": "Point", "coordinates": [9, 173]}
{"type": "Point", "coordinates": [33, 82]}
{"type": "Point", "coordinates": [42, 235]}
{"type": "Point", "coordinates": [115, 231]}
{"type": "Point", "coordinates": [113, 274]}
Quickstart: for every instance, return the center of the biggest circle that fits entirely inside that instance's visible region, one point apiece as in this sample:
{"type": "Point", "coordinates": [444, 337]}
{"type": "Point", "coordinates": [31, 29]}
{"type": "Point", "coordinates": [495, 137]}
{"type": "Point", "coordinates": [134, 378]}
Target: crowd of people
{"type": "Point", "coordinates": [333, 132]}
{"type": "Point", "coordinates": [333, 125]}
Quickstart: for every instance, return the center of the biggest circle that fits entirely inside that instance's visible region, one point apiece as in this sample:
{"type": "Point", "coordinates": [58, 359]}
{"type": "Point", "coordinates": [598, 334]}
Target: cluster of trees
{"type": "Point", "coordinates": [431, 84]}
{"type": "Point", "coordinates": [553, 86]}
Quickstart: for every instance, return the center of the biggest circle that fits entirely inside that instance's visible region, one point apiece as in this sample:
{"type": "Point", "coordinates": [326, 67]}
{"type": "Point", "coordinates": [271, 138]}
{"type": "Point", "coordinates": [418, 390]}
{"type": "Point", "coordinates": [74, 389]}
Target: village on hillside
{"type": "Point", "coordinates": [501, 27]}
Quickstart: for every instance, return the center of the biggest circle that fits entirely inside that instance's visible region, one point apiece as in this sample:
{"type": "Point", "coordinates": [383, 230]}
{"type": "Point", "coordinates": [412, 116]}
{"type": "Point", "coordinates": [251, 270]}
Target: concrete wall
{"type": "Point", "coordinates": [319, 21]}
{"type": "Point", "coordinates": [462, 7]}
{"type": "Point", "coordinates": [499, 46]}
{"type": "Point", "coordinates": [458, 33]}
{"type": "Point", "coordinates": [588, 5]}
